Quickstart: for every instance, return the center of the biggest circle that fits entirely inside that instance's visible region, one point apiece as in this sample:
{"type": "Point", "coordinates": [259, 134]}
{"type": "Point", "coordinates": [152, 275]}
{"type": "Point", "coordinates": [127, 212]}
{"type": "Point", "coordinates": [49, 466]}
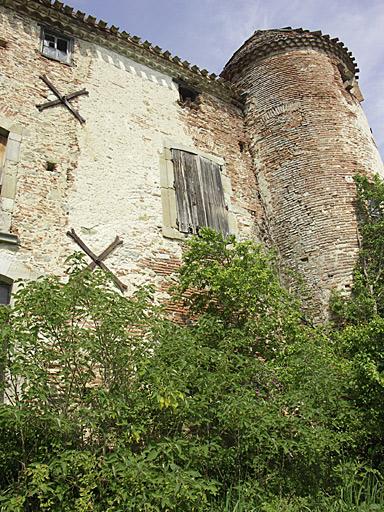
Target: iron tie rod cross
{"type": "Point", "coordinates": [64, 100]}
{"type": "Point", "coordinates": [97, 261]}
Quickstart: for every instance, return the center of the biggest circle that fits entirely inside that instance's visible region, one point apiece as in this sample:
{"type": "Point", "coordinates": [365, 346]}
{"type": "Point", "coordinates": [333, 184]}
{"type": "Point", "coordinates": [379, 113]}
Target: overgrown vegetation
{"type": "Point", "coordinates": [360, 320]}
{"type": "Point", "coordinates": [110, 406]}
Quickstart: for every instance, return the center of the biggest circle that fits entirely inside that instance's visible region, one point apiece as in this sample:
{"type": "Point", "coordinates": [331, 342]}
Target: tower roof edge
{"type": "Point", "coordinates": [263, 43]}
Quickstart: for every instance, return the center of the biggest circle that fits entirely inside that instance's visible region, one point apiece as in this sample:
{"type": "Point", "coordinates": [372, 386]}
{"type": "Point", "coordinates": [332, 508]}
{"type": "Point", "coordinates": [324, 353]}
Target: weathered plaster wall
{"type": "Point", "coordinates": [39, 213]}
{"type": "Point", "coordinates": [117, 181]}
{"type": "Point", "coordinates": [134, 114]}
{"type": "Point", "coordinates": [107, 180]}
{"type": "Point", "coordinates": [309, 136]}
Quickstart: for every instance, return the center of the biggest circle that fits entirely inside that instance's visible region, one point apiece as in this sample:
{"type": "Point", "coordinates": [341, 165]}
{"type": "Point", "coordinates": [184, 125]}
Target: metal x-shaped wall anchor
{"type": "Point", "coordinates": [97, 261]}
{"type": "Point", "coordinates": [64, 100]}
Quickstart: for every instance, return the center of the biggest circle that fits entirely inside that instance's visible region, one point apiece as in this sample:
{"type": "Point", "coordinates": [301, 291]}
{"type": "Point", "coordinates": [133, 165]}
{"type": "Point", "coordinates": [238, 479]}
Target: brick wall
{"type": "Point", "coordinates": [218, 128]}
{"type": "Point", "coordinates": [107, 178]}
{"type": "Point", "coordinates": [309, 136]}
{"type": "Point", "coordinates": [39, 215]}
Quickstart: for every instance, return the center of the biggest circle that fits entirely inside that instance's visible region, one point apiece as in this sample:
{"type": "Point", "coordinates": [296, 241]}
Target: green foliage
{"type": "Point", "coordinates": [367, 296]}
{"type": "Point", "coordinates": [360, 320]}
{"type": "Point", "coordinates": [110, 406]}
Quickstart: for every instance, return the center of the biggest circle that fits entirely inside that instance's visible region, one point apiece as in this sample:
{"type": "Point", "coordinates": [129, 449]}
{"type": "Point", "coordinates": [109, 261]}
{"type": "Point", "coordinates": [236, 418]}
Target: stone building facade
{"type": "Point", "coordinates": [271, 147]}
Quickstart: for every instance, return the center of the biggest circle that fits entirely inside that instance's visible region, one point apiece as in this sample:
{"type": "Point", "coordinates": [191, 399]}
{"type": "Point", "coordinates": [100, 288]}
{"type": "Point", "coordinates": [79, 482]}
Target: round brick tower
{"type": "Point", "coordinates": [309, 137]}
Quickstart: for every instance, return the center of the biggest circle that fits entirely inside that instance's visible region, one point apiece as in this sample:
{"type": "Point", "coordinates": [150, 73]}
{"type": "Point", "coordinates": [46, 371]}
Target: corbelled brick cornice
{"type": "Point", "coordinates": [264, 43]}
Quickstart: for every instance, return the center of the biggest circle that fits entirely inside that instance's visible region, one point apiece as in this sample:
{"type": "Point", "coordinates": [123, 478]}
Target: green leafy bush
{"type": "Point", "coordinates": [359, 319]}
{"type": "Point", "coordinates": [110, 406]}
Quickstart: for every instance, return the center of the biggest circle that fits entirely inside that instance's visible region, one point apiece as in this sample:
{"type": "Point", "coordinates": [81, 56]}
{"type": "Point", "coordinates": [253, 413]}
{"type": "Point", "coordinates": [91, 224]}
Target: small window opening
{"type": "Point", "coordinates": [305, 259]}
{"type": "Point", "coordinates": [188, 95]}
{"type": "Point", "coordinates": [5, 292]}
{"type": "Point", "coordinates": [56, 47]}
{"type": "Point", "coordinates": [51, 166]}
{"type": "Point", "coordinates": [241, 146]}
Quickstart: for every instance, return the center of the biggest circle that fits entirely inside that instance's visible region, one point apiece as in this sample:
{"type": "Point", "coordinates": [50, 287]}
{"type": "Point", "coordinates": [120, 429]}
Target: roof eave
{"type": "Point", "coordinates": [87, 28]}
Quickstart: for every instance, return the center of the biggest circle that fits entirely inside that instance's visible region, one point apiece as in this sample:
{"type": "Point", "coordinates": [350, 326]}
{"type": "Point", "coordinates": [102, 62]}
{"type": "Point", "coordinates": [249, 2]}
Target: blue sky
{"type": "Point", "coordinates": [207, 32]}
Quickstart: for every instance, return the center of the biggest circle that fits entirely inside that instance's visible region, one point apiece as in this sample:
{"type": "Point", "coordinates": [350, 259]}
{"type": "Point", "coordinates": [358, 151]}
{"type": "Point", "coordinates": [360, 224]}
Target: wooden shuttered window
{"type": "Point", "coordinates": [199, 193]}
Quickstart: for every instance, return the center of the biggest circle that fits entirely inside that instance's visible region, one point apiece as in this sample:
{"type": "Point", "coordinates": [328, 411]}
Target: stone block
{"type": "Point", "coordinates": [13, 150]}
{"type": "Point", "coordinates": [6, 204]}
{"type": "Point", "coordinates": [8, 189]}
{"type": "Point", "coordinates": [5, 221]}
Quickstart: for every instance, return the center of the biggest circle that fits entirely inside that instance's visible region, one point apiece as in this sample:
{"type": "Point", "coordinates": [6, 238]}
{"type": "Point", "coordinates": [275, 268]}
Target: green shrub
{"type": "Point", "coordinates": [113, 407]}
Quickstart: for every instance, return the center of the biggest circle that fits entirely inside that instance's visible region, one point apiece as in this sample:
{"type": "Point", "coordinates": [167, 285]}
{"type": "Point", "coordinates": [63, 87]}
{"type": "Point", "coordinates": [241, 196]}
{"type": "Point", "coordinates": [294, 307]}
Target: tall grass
{"type": "Point", "coordinates": [361, 490]}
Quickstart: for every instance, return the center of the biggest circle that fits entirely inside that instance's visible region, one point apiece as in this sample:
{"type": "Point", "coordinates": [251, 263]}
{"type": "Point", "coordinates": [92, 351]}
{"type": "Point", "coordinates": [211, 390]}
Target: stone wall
{"type": "Point", "coordinates": [107, 176]}
{"type": "Point", "coordinates": [287, 162]}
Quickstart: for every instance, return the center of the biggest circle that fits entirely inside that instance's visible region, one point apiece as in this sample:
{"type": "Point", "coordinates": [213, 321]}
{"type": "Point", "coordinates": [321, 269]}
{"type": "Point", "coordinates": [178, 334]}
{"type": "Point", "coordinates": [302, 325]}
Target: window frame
{"type": "Point", "coordinates": [4, 134]}
{"type": "Point", "coordinates": [56, 35]}
{"type": "Point", "coordinates": [168, 191]}
{"type": "Point", "coordinates": [8, 283]}
{"type": "Point", "coordinates": [16, 134]}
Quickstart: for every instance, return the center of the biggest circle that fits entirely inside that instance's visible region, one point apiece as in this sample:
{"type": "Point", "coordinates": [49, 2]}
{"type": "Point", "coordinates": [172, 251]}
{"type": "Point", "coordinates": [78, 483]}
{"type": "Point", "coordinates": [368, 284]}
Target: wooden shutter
{"type": "Point", "coordinates": [213, 196]}
{"type": "Point", "coordinates": [199, 193]}
{"type": "Point", "coordinates": [189, 201]}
